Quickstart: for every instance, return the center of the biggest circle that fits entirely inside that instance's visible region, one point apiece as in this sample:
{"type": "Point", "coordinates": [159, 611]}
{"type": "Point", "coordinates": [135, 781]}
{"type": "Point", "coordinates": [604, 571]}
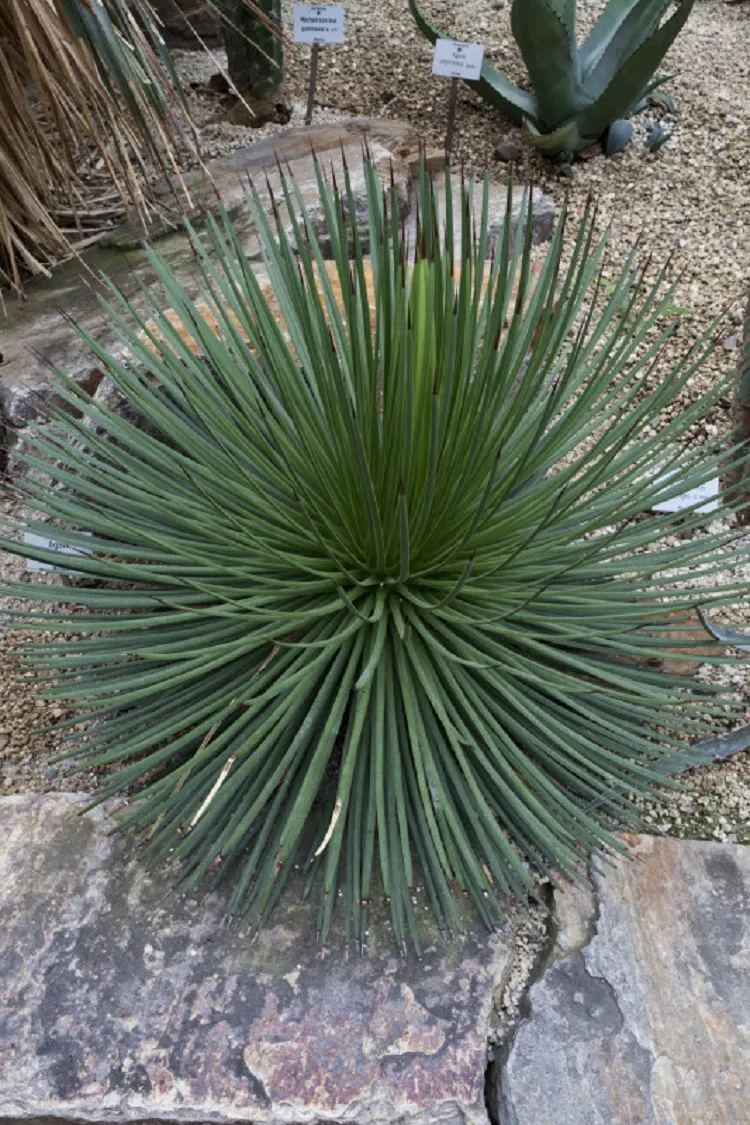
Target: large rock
{"type": "Point", "coordinates": [644, 1017]}
{"type": "Point", "coordinates": [121, 1003]}
{"type": "Point", "coordinates": [38, 333]}
{"type": "Point", "coordinates": [542, 212]}
{"type": "Point", "coordinates": [223, 183]}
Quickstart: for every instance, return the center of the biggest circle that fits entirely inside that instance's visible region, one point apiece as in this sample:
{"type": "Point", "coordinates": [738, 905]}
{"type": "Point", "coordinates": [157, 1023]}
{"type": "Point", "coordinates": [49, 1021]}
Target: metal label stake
{"type": "Point", "coordinates": [451, 127]}
{"type": "Point", "coordinates": [312, 83]}
{"type": "Point", "coordinates": [456, 60]}
{"type": "Point", "coordinates": [317, 24]}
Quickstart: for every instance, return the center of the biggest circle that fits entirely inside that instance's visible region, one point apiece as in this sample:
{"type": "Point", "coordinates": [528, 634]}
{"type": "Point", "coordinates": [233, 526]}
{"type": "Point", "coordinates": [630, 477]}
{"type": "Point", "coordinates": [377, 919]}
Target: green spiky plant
{"type": "Point", "coordinates": [379, 597]}
{"type": "Point", "coordinates": [580, 95]}
{"type": "Point", "coordinates": [742, 413]}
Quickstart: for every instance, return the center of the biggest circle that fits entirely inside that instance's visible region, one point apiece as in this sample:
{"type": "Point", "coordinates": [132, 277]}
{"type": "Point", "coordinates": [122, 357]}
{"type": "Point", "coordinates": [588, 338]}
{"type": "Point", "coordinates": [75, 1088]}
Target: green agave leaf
{"type": "Point", "coordinates": [634, 31]}
{"type": "Point", "coordinates": [605, 27]}
{"type": "Point", "coordinates": [659, 99]}
{"type": "Point", "coordinates": [566, 12]}
{"type": "Point", "coordinates": [618, 136]}
{"type": "Point", "coordinates": [725, 636]}
{"type": "Point", "coordinates": [663, 100]}
{"type": "Point", "coordinates": [370, 594]}
{"type": "Point", "coordinates": [565, 139]}
{"type": "Point", "coordinates": [492, 87]}
{"type": "Point", "coordinates": [620, 29]}
{"type": "Point", "coordinates": [717, 749]}
{"type": "Point", "coordinates": [628, 84]}
{"type": "Point", "coordinates": [551, 58]}
{"type": "Point", "coordinates": [657, 138]}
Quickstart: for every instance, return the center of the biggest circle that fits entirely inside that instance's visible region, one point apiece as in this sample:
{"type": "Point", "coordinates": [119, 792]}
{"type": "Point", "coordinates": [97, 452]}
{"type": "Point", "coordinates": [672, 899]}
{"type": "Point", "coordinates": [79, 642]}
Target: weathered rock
{"type": "Point", "coordinates": [123, 1004]}
{"type": "Point", "coordinates": [508, 151]}
{"type": "Point", "coordinates": [542, 218]}
{"type": "Point", "coordinates": [542, 214]}
{"type": "Point", "coordinates": [38, 332]}
{"type": "Point", "coordinates": [434, 162]}
{"type": "Point", "coordinates": [224, 182]}
{"type": "Point", "coordinates": [644, 1018]}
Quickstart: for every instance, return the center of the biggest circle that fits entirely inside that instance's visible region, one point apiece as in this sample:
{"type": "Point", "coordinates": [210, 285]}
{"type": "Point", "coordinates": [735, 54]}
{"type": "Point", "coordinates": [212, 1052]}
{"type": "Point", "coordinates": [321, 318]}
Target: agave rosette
{"type": "Point", "coordinates": [376, 592]}
{"type": "Point", "coordinates": [580, 94]}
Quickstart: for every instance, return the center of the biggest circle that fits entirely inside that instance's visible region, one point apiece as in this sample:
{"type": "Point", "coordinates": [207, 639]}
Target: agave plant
{"type": "Point", "coordinates": [374, 595]}
{"type": "Point", "coordinates": [580, 94]}
{"type": "Point", "coordinates": [742, 412]}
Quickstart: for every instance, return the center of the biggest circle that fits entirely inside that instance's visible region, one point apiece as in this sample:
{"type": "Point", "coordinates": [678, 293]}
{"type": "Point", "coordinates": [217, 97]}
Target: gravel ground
{"type": "Point", "coordinates": [690, 201]}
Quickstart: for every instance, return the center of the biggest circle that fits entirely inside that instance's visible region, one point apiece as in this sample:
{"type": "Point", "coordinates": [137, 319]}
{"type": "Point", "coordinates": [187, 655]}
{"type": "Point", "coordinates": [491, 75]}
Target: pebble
{"type": "Point", "coordinates": [508, 151]}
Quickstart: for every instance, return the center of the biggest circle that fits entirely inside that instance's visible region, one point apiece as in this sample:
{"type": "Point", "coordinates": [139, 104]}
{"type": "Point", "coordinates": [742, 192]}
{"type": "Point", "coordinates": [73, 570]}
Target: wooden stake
{"type": "Point", "coordinates": [313, 81]}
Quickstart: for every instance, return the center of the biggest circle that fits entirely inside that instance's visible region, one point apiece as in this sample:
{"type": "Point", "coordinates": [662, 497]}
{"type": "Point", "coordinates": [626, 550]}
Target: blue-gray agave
{"type": "Point", "coordinates": [580, 93]}
{"type": "Point", "coordinates": [376, 594]}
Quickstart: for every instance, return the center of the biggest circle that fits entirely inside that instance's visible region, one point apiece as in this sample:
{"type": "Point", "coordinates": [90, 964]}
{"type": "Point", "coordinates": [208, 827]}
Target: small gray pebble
{"type": "Point", "coordinates": [730, 343]}
{"type": "Point", "coordinates": [51, 772]}
{"type": "Point", "coordinates": [508, 151]}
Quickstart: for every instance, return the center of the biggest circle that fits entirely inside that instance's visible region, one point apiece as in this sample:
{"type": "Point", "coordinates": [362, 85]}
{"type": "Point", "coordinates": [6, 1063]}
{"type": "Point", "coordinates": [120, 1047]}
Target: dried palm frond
{"type": "Point", "coordinates": [86, 89]}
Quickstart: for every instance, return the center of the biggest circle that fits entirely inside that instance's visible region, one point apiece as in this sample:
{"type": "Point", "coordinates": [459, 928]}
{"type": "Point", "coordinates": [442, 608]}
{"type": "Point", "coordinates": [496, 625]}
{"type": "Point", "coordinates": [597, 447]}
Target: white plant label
{"type": "Point", "coordinates": [708, 492]}
{"type": "Point", "coordinates": [457, 60]}
{"type": "Point", "coordinates": [318, 23]}
{"type": "Point", "coordinates": [34, 565]}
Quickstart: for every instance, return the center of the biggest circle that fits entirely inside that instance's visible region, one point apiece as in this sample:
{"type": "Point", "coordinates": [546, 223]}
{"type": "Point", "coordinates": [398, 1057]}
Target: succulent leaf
{"type": "Point", "coordinates": [513, 102]}
{"type": "Point", "coordinates": [565, 139]}
{"type": "Point", "coordinates": [566, 11]}
{"type": "Point", "coordinates": [635, 30]}
{"type": "Point", "coordinates": [628, 85]}
{"type": "Point", "coordinates": [723, 635]}
{"type": "Point", "coordinates": [551, 58]}
{"type": "Point", "coordinates": [616, 13]}
{"type": "Point", "coordinates": [371, 594]}
{"type": "Point", "coordinates": [657, 138]}
{"type": "Point", "coordinates": [661, 99]}
{"type": "Point", "coordinates": [618, 136]}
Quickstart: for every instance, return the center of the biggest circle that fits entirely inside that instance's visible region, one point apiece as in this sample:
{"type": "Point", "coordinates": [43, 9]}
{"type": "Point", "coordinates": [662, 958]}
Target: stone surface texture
{"type": "Point", "coordinates": [542, 213]}
{"type": "Point", "coordinates": [643, 1017]}
{"type": "Point", "coordinates": [121, 1003]}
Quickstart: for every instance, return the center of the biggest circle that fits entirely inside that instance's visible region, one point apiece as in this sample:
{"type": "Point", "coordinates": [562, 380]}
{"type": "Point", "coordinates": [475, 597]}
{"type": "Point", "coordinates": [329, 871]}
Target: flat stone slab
{"type": "Point", "coordinates": [119, 1003]}
{"type": "Point", "coordinates": [644, 1018]}
{"type": "Point", "coordinates": [38, 331]}
{"type": "Point", "coordinates": [542, 212]}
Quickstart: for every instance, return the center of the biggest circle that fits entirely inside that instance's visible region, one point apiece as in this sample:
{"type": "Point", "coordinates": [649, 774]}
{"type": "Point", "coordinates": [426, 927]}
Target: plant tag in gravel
{"type": "Point", "coordinates": [708, 492]}
{"type": "Point", "coordinates": [457, 60]}
{"type": "Point", "coordinates": [318, 23]}
{"type": "Point", "coordinates": [34, 565]}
